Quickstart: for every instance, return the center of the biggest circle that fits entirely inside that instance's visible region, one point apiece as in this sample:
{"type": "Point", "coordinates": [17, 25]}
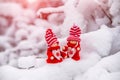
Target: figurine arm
{"type": "Point", "coordinates": [49, 54]}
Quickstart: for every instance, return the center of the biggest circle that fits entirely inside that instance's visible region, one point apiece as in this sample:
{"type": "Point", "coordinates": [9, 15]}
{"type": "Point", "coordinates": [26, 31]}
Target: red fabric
{"type": "Point", "coordinates": [50, 37]}
{"type": "Point", "coordinates": [71, 45]}
{"type": "Point", "coordinates": [64, 52]}
{"type": "Point", "coordinates": [76, 56]}
{"type": "Point", "coordinates": [50, 54]}
{"type": "Point", "coordinates": [75, 32]}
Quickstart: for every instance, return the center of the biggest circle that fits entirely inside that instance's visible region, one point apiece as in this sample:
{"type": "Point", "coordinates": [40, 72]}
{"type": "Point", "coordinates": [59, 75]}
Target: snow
{"type": "Point", "coordinates": [44, 73]}
{"type": "Point", "coordinates": [48, 71]}
{"type": "Point", "coordinates": [3, 59]}
{"type": "Point", "coordinates": [91, 66]}
{"type": "Point", "coordinates": [115, 11]}
{"type": "Point", "coordinates": [102, 21]}
{"type": "Point", "coordinates": [68, 69]}
{"type": "Point", "coordinates": [114, 60]}
{"type": "Point", "coordinates": [49, 10]}
{"type": "Point", "coordinates": [23, 46]}
{"type": "Point", "coordinates": [30, 60]}
{"type": "Point", "coordinates": [11, 9]}
{"type": "Point", "coordinates": [5, 43]}
{"type": "Point", "coordinates": [116, 20]}
{"type": "Point", "coordinates": [71, 18]}
{"type": "Point", "coordinates": [21, 34]}
{"type": "Point", "coordinates": [104, 70]}
{"type": "Point", "coordinates": [3, 22]}
{"type": "Point", "coordinates": [97, 41]}
{"type": "Point", "coordinates": [111, 76]}
{"type": "Point", "coordinates": [56, 19]}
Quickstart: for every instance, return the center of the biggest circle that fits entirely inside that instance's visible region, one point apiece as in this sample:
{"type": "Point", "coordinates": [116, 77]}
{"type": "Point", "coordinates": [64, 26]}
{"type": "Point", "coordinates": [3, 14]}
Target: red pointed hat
{"type": "Point", "coordinates": [75, 32]}
{"type": "Point", "coordinates": [50, 37]}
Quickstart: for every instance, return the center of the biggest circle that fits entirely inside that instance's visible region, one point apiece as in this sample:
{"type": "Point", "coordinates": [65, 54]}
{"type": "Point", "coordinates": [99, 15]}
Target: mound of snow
{"type": "Point", "coordinates": [116, 42]}
{"type": "Point", "coordinates": [111, 76]}
{"type": "Point", "coordinates": [49, 72]}
{"type": "Point", "coordinates": [5, 43]}
{"type": "Point", "coordinates": [114, 60]}
{"type": "Point", "coordinates": [104, 68]}
{"type": "Point", "coordinates": [99, 41]}
{"type": "Point", "coordinates": [26, 44]}
{"type": "Point", "coordinates": [26, 62]}
{"type": "Point", "coordinates": [62, 71]}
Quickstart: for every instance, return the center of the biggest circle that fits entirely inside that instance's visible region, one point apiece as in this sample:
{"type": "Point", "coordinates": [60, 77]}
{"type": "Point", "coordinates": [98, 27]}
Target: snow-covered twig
{"type": "Point", "coordinates": [50, 10]}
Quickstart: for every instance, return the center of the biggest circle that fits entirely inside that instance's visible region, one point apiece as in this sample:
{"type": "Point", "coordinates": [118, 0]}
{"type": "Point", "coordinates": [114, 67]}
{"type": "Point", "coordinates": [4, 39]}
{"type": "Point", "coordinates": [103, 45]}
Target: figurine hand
{"type": "Point", "coordinates": [63, 48]}
{"type": "Point", "coordinates": [65, 56]}
{"type": "Point", "coordinates": [78, 48]}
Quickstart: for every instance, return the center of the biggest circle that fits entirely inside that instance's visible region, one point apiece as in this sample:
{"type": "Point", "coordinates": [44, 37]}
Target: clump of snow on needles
{"type": "Point", "coordinates": [11, 9]}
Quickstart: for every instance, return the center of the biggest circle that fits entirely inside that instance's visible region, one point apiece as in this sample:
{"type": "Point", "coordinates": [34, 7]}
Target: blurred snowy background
{"type": "Point", "coordinates": [23, 48]}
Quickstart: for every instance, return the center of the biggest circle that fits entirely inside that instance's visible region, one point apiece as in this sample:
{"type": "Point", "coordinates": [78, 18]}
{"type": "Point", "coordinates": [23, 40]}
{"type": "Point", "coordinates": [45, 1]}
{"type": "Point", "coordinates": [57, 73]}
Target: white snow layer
{"type": "Point", "coordinates": [92, 66]}
{"type": "Point", "coordinates": [106, 69]}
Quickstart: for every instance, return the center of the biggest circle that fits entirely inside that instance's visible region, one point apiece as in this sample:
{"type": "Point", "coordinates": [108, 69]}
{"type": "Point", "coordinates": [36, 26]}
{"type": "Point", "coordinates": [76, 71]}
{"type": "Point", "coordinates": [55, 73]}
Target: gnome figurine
{"type": "Point", "coordinates": [53, 51]}
{"type": "Point", "coordinates": [72, 49]}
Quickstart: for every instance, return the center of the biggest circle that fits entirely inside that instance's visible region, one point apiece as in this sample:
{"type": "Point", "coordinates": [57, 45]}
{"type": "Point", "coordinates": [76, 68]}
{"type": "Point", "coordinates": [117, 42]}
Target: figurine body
{"type": "Point", "coordinates": [53, 51]}
{"type": "Point", "coordinates": [72, 49]}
